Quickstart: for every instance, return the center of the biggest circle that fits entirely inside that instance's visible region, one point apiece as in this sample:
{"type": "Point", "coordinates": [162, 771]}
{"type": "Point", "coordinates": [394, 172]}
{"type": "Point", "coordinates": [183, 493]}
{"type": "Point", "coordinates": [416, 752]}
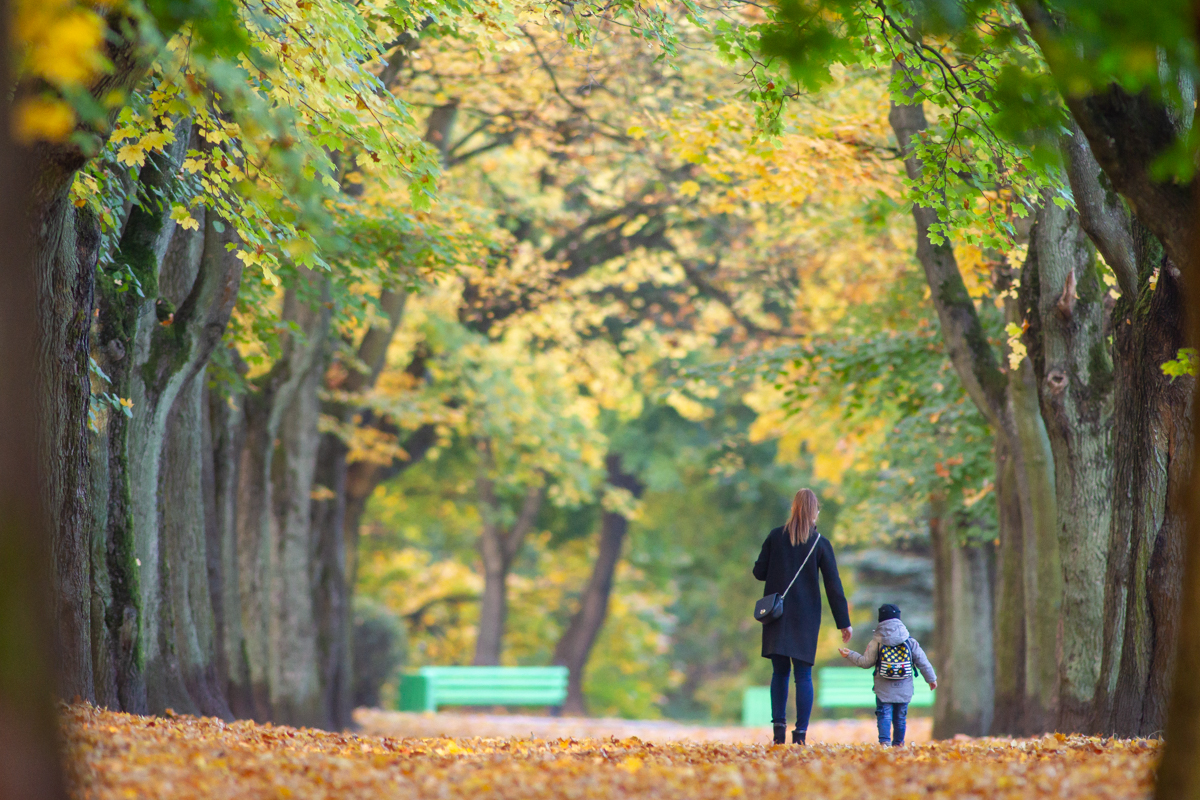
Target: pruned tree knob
{"type": "Point", "coordinates": [1066, 301]}
{"type": "Point", "coordinates": [1056, 381]}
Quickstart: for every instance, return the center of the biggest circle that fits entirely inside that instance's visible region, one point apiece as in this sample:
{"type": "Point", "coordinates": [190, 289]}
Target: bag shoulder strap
{"type": "Point", "coordinates": [802, 563]}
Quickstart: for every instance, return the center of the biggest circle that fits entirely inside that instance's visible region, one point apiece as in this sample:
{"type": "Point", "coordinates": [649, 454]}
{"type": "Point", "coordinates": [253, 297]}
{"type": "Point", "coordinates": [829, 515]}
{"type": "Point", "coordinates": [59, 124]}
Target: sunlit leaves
{"type": "Point", "coordinates": [119, 755]}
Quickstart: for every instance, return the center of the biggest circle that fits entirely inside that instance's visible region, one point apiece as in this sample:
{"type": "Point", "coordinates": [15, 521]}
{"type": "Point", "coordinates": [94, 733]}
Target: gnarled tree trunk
{"type": "Point", "coordinates": [1152, 447]}
{"type": "Point", "coordinates": [1063, 300]}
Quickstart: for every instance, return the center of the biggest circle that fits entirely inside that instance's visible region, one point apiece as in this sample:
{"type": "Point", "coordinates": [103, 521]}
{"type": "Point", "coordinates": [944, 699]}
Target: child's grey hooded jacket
{"type": "Point", "coordinates": [890, 632]}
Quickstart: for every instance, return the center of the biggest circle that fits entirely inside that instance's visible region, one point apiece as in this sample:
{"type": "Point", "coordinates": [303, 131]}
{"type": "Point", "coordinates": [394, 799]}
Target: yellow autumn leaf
{"type": "Point", "coordinates": [67, 51]}
{"type": "Point", "coordinates": [156, 140]}
{"type": "Point", "coordinates": [41, 119]}
{"type": "Point", "coordinates": [126, 755]}
{"type": "Point", "coordinates": [133, 155]}
{"type": "Point", "coordinates": [689, 188]}
{"type": "Point", "coordinates": [181, 215]}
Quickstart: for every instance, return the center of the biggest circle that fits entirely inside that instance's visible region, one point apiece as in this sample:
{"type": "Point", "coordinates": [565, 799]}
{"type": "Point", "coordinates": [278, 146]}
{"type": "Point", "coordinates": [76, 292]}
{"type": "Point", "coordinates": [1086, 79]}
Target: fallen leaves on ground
{"type": "Point", "coordinates": [407, 725]}
{"type": "Point", "coordinates": [125, 756]}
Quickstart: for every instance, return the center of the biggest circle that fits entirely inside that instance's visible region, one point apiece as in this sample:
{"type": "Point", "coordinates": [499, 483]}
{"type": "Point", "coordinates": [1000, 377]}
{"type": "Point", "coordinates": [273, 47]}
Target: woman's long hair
{"type": "Point", "coordinates": [804, 516]}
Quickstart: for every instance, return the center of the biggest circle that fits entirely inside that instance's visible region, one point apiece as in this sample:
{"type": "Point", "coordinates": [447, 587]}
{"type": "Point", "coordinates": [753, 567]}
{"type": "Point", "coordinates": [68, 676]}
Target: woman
{"type": "Point", "coordinates": [791, 641]}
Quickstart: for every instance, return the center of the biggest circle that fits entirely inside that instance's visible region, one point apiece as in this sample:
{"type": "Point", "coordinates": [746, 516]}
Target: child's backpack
{"type": "Point", "coordinates": [895, 661]}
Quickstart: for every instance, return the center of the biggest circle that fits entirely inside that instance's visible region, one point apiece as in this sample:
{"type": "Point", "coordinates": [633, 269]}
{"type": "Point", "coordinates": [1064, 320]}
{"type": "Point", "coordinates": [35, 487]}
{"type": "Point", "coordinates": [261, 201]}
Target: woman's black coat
{"type": "Point", "coordinates": [795, 633]}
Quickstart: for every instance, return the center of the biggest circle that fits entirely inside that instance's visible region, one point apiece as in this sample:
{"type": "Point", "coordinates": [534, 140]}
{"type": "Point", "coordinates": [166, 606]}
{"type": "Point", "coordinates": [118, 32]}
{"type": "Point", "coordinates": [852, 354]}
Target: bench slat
{"type": "Point", "coordinates": [854, 687]}
{"type": "Point", "coordinates": [434, 686]}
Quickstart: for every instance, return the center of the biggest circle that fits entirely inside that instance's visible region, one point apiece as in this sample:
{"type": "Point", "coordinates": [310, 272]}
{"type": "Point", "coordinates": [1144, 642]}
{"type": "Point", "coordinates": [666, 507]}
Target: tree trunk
{"type": "Point", "coordinates": [1178, 775]}
{"type": "Point", "coordinates": [1009, 600]}
{"type": "Point", "coordinates": [1021, 460]}
{"type": "Point", "coordinates": [1152, 452]}
{"type": "Point", "coordinates": [279, 674]}
{"type": "Point", "coordinates": [189, 623]}
{"type": "Point", "coordinates": [498, 548]}
{"type": "Point", "coordinates": [1063, 302]}
{"type": "Point", "coordinates": [575, 646]}
{"type": "Point", "coordinates": [333, 587]}
{"type": "Point", "coordinates": [963, 581]}
{"type": "Point", "coordinates": [66, 247]}
{"type": "Point", "coordinates": [1034, 463]}
{"type": "Point", "coordinates": [336, 514]}
{"type": "Point", "coordinates": [149, 502]}
{"type": "Point", "coordinates": [29, 746]}
{"type": "Point", "coordinates": [224, 433]}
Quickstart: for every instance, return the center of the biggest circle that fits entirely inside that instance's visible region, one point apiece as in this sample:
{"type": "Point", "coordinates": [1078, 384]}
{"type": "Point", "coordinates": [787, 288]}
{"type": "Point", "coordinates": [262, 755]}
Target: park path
{"type": "Point", "coordinates": [401, 724]}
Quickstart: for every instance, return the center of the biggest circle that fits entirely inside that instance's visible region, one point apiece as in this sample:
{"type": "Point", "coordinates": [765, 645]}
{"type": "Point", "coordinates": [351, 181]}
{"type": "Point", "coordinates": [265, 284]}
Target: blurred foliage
{"type": "Point", "coordinates": [380, 648]}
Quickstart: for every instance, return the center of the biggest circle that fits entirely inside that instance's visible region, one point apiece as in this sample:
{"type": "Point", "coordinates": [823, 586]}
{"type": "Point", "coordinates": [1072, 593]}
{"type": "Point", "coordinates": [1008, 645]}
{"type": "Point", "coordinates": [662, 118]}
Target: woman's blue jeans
{"type": "Point", "coordinates": [781, 667]}
{"type": "Point", "coordinates": [891, 718]}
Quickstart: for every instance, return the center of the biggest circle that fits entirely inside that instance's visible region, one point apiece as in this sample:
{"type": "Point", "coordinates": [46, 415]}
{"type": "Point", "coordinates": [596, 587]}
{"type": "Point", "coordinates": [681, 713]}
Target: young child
{"type": "Point", "coordinates": [893, 654]}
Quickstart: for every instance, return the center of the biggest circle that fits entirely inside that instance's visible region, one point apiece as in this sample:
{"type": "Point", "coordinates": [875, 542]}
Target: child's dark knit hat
{"type": "Point", "coordinates": [888, 611]}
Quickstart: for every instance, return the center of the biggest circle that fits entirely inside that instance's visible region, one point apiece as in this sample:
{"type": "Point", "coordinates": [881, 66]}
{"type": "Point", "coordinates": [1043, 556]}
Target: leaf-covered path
{"type": "Point", "coordinates": [456, 725]}
{"type": "Point", "coordinates": [123, 756]}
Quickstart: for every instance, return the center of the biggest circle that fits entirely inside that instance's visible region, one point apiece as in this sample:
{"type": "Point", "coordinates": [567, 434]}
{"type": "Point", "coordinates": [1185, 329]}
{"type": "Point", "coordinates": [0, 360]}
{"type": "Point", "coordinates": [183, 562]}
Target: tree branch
{"type": "Point", "coordinates": [1127, 134]}
{"type": "Point", "coordinates": [1102, 215]}
{"type": "Point", "coordinates": [966, 343]}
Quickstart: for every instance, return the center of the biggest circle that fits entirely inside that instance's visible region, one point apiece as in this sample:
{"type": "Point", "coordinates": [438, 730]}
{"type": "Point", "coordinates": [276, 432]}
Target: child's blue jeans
{"type": "Point", "coordinates": [781, 666]}
{"type": "Point", "coordinates": [891, 718]}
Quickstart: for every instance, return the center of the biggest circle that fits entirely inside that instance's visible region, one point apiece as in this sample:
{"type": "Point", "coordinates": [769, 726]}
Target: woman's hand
{"type": "Point", "coordinates": [933, 684]}
{"type": "Point", "coordinates": [845, 652]}
{"type": "Point", "coordinates": [847, 633]}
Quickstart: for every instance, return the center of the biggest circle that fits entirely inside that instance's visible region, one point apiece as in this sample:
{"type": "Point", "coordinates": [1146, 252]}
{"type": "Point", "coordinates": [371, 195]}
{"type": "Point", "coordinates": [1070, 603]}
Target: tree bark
{"type": "Point", "coordinates": [964, 574]}
{"type": "Point", "coordinates": [279, 674]}
{"type": "Point", "coordinates": [1041, 568]}
{"type": "Point", "coordinates": [575, 646]}
{"type": "Point", "coordinates": [1063, 303]}
{"type": "Point", "coordinates": [224, 434]}
{"type": "Point", "coordinates": [1178, 776]}
{"type": "Point", "coordinates": [29, 747]}
{"type": "Point", "coordinates": [1151, 454]}
{"type": "Point", "coordinates": [65, 252]}
{"type": "Point", "coordinates": [1009, 600]}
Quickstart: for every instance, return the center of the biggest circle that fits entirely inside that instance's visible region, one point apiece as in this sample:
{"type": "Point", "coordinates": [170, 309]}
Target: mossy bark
{"type": "Point", "coordinates": [149, 492]}
{"type": "Point", "coordinates": [1064, 303]}
{"type": "Point", "coordinates": [1037, 489]}
{"type": "Point", "coordinates": [1152, 455]}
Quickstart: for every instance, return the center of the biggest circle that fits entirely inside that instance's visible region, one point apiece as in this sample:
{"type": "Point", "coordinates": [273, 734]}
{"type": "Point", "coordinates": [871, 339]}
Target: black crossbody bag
{"type": "Point", "coordinates": [770, 608]}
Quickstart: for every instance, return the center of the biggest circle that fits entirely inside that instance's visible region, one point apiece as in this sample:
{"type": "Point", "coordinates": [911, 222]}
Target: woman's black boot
{"type": "Point", "coordinates": [781, 734]}
{"type": "Point", "coordinates": [798, 736]}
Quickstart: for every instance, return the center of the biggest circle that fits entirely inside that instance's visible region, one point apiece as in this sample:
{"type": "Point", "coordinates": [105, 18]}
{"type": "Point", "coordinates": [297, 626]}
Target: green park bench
{"type": "Point", "coordinates": [854, 687]}
{"type": "Point", "coordinates": [430, 687]}
{"type": "Point", "coordinates": [837, 687]}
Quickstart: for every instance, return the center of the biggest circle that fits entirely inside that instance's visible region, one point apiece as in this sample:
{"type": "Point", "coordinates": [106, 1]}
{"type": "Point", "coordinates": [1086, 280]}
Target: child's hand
{"type": "Point", "coordinates": [933, 684]}
{"type": "Point", "coordinates": [845, 651]}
